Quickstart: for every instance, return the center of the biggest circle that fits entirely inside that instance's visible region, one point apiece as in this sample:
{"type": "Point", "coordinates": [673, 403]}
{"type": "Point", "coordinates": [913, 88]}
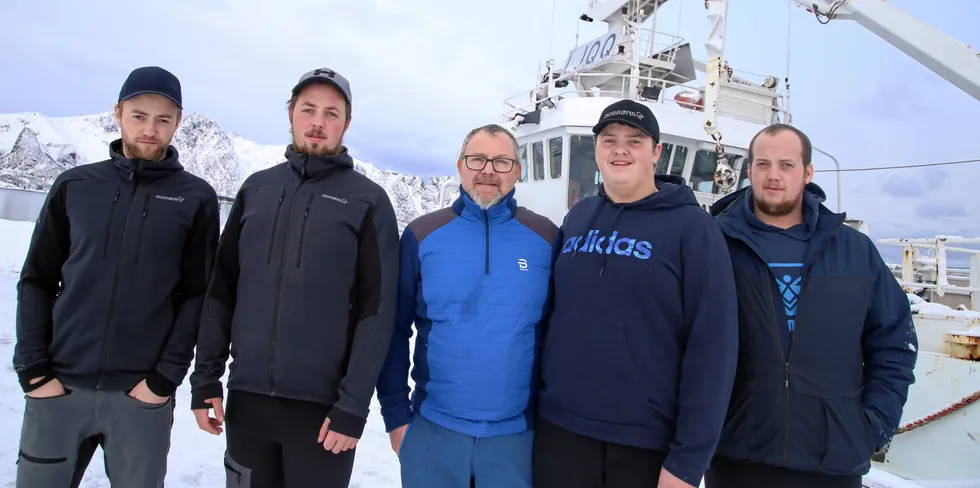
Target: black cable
{"type": "Point", "coordinates": [946, 163]}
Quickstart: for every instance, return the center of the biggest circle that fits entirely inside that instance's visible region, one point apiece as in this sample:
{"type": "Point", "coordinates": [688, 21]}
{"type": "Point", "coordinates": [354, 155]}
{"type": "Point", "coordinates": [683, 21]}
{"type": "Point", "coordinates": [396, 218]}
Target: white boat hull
{"type": "Point", "coordinates": [948, 446]}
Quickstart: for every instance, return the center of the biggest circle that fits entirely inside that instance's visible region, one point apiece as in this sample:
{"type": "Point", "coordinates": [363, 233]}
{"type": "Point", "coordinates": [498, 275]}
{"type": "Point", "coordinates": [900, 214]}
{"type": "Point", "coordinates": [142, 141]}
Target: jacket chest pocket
{"type": "Point", "coordinates": [159, 226]}
{"type": "Point", "coordinates": [329, 230]}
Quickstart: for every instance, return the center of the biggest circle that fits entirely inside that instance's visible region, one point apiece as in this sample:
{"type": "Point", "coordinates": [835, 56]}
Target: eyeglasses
{"type": "Point", "coordinates": [500, 165]}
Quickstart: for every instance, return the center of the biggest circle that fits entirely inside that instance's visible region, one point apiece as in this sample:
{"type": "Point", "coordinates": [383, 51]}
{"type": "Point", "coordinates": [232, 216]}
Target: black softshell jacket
{"type": "Point", "coordinates": [115, 275]}
{"type": "Point", "coordinates": [303, 291]}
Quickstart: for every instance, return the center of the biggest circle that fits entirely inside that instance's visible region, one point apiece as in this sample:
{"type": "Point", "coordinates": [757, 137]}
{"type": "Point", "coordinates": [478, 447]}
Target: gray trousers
{"type": "Point", "coordinates": [59, 436]}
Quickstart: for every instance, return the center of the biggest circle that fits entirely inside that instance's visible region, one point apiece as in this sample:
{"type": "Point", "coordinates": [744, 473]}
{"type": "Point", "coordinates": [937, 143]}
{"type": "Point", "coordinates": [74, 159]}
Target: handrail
{"type": "Point", "coordinates": [554, 97]}
{"type": "Point", "coordinates": [911, 250]}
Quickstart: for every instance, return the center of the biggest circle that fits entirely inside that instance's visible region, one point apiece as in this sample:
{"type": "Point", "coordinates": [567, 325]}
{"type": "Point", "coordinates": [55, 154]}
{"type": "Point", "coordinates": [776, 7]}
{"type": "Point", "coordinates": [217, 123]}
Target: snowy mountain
{"type": "Point", "coordinates": [34, 149]}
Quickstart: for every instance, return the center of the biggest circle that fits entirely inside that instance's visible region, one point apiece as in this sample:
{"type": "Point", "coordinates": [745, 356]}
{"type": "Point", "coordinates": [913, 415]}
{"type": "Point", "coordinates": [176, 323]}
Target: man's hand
{"type": "Point", "coordinates": [211, 425]}
{"type": "Point", "coordinates": [142, 393]}
{"type": "Point", "coordinates": [334, 441]}
{"type": "Point", "coordinates": [668, 480]}
{"type": "Point", "coordinates": [50, 389]}
{"type": "Point", "coordinates": [396, 437]}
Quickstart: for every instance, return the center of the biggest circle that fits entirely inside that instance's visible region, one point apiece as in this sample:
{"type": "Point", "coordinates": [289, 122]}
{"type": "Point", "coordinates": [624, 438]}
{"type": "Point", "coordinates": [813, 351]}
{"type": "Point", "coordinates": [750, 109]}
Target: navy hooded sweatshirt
{"type": "Point", "coordinates": [641, 346]}
{"type": "Point", "coordinates": [784, 251]}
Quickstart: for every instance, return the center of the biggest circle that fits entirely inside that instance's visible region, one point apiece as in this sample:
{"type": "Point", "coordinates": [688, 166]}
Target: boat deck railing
{"type": "Point", "coordinates": [526, 101]}
{"type": "Point", "coordinates": [925, 266]}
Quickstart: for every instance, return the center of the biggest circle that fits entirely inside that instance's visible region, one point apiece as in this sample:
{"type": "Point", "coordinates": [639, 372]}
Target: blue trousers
{"type": "Point", "coordinates": [432, 456]}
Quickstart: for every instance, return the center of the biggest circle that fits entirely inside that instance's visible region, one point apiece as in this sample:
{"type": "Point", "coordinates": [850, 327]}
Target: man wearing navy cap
{"type": "Point", "coordinates": [109, 299]}
{"type": "Point", "coordinates": [639, 353]}
{"type": "Point", "coordinates": [303, 300]}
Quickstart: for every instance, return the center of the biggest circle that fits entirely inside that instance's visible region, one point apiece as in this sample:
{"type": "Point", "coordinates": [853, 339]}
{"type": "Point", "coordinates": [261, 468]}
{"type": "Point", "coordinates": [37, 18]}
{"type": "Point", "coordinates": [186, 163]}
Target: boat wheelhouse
{"type": "Point", "coordinates": [553, 120]}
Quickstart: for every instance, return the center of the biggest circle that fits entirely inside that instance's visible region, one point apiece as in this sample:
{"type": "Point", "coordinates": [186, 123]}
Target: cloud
{"type": "Point", "coordinates": [939, 210]}
{"type": "Point", "coordinates": [902, 187]}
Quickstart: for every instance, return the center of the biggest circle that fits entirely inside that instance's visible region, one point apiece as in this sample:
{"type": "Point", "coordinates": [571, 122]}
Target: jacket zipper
{"type": "Point", "coordinates": [275, 225]}
{"type": "Point", "coordinates": [486, 233]}
{"type": "Point", "coordinates": [782, 354]}
{"type": "Point", "coordinates": [115, 283]}
{"type": "Point", "coordinates": [139, 240]}
{"type": "Point", "coordinates": [792, 338]}
{"type": "Point", "coordinates": [302, 233]}
{"type": "Point", "coordinates": [282, 272]}
{"type": "Point", "coordinates": [108, 225]}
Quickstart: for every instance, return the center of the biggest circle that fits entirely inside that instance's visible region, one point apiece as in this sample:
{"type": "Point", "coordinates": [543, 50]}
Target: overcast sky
{"type": "Point", "coordinates": [423, 74]}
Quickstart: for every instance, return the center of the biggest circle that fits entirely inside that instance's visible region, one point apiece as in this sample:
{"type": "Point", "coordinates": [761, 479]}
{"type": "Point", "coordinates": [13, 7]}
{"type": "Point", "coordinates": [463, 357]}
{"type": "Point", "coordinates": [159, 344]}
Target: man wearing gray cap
{"type": "Point", "coordinates": [302, 299]}
{"type": "Point", "coordinates": [109, 299]}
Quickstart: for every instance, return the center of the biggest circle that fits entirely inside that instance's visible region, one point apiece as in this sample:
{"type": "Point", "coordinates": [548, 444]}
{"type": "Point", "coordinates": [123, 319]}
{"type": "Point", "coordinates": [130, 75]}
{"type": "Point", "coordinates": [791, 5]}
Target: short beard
{"type": "Point", "coordinates": [484, 202]}
{"type": "Point", "coordinates": [136, 152]}
{"type": "Point", "coordinates": [315, 149]}
{"type": "Point", "coordinates": [780, 210]}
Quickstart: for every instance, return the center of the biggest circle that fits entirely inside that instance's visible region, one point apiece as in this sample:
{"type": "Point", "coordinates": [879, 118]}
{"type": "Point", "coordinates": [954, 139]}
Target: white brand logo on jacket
{"type": "Point", "coordinates": [341, 200]}
{"type": "Point", "coordinates": [172, 199]}
{"type": "Point", "coordinates": [522, 263]}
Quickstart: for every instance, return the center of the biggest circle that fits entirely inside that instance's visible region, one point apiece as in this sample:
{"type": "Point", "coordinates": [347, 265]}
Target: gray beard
{"type": "Point", "coordinates": [484, 202]}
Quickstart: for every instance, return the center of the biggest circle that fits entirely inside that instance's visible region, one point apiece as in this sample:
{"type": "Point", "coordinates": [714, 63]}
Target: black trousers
{"type": "Point", "coordinates": [272, 443]}
{"type": "Point", "coordinates": [725, 473]}
{"type": "Point", "coordinates": [563, 459]}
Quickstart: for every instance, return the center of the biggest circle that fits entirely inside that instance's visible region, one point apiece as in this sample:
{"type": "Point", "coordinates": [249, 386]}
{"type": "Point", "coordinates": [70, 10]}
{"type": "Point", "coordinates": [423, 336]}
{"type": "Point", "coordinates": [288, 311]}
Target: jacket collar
{"type": "Point", "coordinates": [142, 169]}
{"type": "Point", "coordinates": [307, 166]}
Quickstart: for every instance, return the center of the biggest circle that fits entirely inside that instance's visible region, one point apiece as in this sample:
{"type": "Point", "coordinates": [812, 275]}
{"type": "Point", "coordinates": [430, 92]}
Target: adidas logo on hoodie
{"type": "Point", "coordinates": [594, 243]}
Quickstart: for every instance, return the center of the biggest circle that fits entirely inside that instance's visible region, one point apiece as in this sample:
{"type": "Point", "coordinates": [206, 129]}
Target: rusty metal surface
{"type": "Point", "coordinates": [963, 346]}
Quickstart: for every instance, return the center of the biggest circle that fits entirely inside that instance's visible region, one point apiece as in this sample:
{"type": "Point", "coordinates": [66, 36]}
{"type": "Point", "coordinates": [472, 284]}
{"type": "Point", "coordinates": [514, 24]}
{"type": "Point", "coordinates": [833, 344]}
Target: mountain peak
{"type": "Point", "coordinates": [34, 149]}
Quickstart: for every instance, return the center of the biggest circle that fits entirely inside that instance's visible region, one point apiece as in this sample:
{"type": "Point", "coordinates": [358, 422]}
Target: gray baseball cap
{"type": "Point", "coordinates": [324, 75]}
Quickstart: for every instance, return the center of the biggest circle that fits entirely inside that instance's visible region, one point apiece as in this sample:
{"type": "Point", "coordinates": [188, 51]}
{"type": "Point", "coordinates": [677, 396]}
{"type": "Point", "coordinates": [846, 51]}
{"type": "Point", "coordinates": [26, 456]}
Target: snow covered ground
{"type": "Point", "coordinates": [195, 456]}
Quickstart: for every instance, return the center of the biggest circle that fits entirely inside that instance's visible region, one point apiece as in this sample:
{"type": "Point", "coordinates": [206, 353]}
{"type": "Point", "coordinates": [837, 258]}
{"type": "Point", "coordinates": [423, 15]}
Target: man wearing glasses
{"type": "Point", "coordinates": [475, 282]}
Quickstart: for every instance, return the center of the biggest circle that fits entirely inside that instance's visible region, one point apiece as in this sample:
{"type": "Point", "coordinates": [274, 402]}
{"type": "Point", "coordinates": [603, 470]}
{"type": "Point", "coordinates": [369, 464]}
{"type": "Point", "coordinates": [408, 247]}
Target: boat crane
{"type": "Point", "coordinates": [952, 60]}
{"type": "Point", "coordinates": [731, 104]}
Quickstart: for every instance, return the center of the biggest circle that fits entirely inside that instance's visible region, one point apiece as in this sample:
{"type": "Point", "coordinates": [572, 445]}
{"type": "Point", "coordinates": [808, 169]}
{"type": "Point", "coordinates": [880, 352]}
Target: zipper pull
{"type": "Point", "coordinates": [116, 197]}
{"type": "Point", "coordinates": [307, 212]}
{"type": "Point", "coordinates": [786, 374]}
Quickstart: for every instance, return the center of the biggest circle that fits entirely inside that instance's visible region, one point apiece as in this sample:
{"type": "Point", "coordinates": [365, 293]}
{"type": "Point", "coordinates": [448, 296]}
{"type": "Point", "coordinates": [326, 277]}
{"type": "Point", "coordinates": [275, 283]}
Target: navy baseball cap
{"type": "Point", "coordinates": [151, 79]}
{"type": "Point", "coordinates": [631, 113]}
{"type": "Point", "coordinates": [324, 75]}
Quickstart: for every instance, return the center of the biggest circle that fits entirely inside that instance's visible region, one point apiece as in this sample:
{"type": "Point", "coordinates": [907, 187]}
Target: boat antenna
{"type": "Point", "coordinates": [551, 37]}
{"type": "Point", "coordinates": [789, 42]}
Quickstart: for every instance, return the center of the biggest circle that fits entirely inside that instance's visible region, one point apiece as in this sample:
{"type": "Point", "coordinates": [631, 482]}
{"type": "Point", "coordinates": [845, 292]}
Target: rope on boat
{"type": "Point", "coordinates": [932, 417]}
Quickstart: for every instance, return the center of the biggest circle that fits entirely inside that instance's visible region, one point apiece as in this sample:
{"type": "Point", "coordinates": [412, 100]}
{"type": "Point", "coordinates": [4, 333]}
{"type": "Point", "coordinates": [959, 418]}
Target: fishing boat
{"type": "Point", "coordinates": [706, 128]}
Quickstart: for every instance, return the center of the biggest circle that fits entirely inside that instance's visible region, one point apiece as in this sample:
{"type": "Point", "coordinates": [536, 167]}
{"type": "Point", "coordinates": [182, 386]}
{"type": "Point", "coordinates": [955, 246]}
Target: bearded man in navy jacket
{"type": "Point", "coordinates": [640, 350]}
{"type": "Point", "coordinates": [826, 341]}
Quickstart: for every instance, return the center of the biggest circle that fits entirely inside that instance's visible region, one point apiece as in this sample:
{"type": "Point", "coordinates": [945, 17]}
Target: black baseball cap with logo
{"type": "Point", "coordinates": [324, 75]}
{"type": "Point", "coordinates": [631, 113]}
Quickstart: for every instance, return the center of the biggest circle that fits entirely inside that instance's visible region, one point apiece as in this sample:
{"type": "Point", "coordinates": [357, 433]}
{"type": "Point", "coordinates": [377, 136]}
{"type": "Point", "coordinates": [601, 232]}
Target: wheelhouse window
{"type": "Point", "coordinates": [672, 159]}
{"type": "Point", "coordinates": [703, 171]}
{"type": "Point", "coordinates": [537, 155]}
{"type": "Point", "coordinates": [583, 174]}
{"type": "Point", "coordinates": [522, 153]}
{"type": "Point", "coordinates": [555, 146]}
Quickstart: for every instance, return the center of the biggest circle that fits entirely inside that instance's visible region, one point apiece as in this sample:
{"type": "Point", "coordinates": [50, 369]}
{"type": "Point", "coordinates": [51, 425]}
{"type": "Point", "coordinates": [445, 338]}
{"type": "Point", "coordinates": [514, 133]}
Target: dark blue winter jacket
{"type": "Point", "coordinates": [839, 396]}
{"type": "Point", "coordinates": [640, 349]}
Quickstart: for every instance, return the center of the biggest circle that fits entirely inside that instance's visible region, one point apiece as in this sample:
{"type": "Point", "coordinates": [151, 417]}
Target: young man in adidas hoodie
{"type": "Point", "coordinates": [639, 355]}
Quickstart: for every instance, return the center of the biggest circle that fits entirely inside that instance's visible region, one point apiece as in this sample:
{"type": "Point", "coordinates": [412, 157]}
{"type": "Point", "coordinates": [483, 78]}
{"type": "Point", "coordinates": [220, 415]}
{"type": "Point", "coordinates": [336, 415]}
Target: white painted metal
{"type": "Point", "coordinates": [945, 56]}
